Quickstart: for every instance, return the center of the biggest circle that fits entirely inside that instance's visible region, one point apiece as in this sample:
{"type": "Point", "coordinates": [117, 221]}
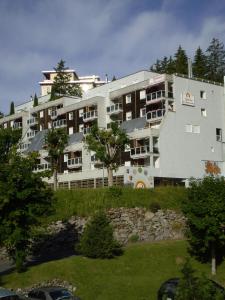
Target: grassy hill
{"type": "Point", "coordinates": [136, 275]}
{"type": "Point", "coordinates": [86, 201]}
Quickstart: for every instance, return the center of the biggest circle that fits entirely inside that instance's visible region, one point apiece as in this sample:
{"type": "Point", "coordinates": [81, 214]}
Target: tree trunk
{"type": "Point", "coordinates": [55, 180]}
{"type": "Point", "coordinates": [110, 177]}
{"type": "Point", "coordinates": [213, 253]}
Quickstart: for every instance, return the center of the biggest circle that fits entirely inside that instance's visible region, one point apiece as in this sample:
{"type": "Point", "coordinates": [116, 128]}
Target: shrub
{"type": "Point", "coordinates": [115, 192]}
{"type": "Point", "coordinates": [97, 240]}
{"type": "Point", "coordinates": [134, 238]}
{"type": "Point", "coordinates": [154, 207]}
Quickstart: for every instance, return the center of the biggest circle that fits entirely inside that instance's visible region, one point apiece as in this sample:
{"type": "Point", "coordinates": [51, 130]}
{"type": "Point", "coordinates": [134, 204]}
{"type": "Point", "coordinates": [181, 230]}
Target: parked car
{"type": "Point", "coordinates": [8, 295]}
{"type": "Point", "coordinates": [167, 290]}
{"type": "Point", "coordinates": [51, 293]}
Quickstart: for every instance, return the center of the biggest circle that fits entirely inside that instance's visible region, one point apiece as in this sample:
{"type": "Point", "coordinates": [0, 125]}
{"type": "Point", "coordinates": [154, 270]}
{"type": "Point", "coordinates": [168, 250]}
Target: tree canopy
{"type": "Point", "coordinates": [107, 145]}
{"type": "Point", "coordinates": [205, 213]}
{"type": "Point", "coordinates": [61, 85]}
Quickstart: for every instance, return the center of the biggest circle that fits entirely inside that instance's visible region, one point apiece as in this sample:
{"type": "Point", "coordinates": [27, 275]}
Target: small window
{"type": "Point", "coordinates": [41, 114]}
{"type": "Point", "coordinates": [71, 116]}
{"type": "Point", "coordinates": [188, 128]}
{"type": "Point", "coordinates": [5, 125]}
{"type": "Point", "coordinates": [142, 112]}
{"type": "Point", "coordinates": [41, 127]}
{"type": "Point", "coordinates": [70, 130]}
{"type": "Point", "coordinates": [49, 111]}
{"type": "Point", "coordinates": [203, 95]}
{"type": "Point", "coordinates": [196, 129]}
{"type": "Point", "coordinates": [81, 112]}
{"type": "Point", "coordinates": [49, 125]}
{"type": "Point", "coordinates": [203, 112]}
{"type": "Point", "coordinates": [81, 128]}
{"type": "Point", "coordinates": [128, 98]}
{"type": "Point", "coordinates": [11, 123]}
{"type": "Point", "coordinates": [143, 95]}
{"type": "Point", "coordinates": [65, 158]}
{"type": "Point", "coordinates": [219, 134]}
{"type": "Point", "coordinates": [128, 115]}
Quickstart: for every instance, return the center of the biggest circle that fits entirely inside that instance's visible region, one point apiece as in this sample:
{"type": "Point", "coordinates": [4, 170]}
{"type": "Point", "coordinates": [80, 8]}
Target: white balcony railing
{"type": "Point", "coordinates": [114, 109]}
{"type": "Point", "coordinates": [74, 162]}
{"type": "Point", "coordinates": [23, 147]}
{"type": "Point", "coordinates": [152, 97]}
{"type": "Point", "coordinates": [139, 152]}
{"type": "Point", "coordinates": [42, 167]}
{"type": "Point", "coordinates": [17, 125]}
{"type": "Point", "coordinates": [90, 115]}
{"type": "Point", "coordinates": [31, 134]}
{"type": "Point", "coordinates": [59, 123]}
{"type": "Point", "coordinates": [32, 121]}
{"type": "Point", "coordinates": [155, 114]}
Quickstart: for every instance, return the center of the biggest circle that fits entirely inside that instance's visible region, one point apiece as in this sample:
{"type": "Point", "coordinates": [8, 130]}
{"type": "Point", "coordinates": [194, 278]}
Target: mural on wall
{"type": "Point", "coordinates": [138, 177]}
{"type": "Point", "coordinates": [212, 168]}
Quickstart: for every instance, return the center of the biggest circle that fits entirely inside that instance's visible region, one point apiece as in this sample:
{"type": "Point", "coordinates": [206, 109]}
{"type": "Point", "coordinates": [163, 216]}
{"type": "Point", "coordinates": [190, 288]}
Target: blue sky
{"type": "Point", "coordinates": [116, 37]}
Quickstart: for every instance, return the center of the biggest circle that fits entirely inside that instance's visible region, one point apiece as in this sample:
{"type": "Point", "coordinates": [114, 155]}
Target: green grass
{"type": "Point", "coordinates": [86, 201]}
{"type": "Point", "coordinates": [136, 275]}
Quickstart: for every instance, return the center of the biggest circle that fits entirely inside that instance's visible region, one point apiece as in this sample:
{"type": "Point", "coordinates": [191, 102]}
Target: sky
{"type": "Point", "coordinates": [114, 37]}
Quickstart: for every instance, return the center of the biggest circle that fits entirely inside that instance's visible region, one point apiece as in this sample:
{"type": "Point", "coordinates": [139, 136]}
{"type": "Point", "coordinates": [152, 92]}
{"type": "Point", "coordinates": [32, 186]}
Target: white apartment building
{"type": "Point", "coordinates": [175, 124]}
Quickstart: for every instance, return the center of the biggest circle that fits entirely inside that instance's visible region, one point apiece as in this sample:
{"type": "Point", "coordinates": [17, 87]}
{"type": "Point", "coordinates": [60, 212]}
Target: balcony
{"type": "Point", "coordinates": [74, 163]}
{"type": "Point", "coordinates": [31, 134]}
{"type": "Point", "coordinates": [90, 115]}
{"type": "Point", "coordinates": [140, 152]}
{"type": "Point", "coordinates": [59, 123]}
{"type": "Point", "coordinates": [114, 109]}
{"type": "Point", "coordinates": [42, 167]}
{"type": "Point", "coordinates": [158, 96]}
{"type": "Point", "coordinates": [32, 121]}
{"type": "Point", "coordinates": [54, 114]}
{"type": "Point", "coordinates": [86, 130]}
{"type": "Point", "coordinates": [155, 115]}
{"type": "Point", "coordinates": [96, 162]}
{"type": "Point", "coordinates": [17, 125]}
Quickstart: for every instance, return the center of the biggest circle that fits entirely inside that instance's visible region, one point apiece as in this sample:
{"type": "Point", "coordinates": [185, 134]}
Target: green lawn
{"type": "Point", "coordinates": [84, 202]}
{"type": "Point", "coordinates": [136, 275]}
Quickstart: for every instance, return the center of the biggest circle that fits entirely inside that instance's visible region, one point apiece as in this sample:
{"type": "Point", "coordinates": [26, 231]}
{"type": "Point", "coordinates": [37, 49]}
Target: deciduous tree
{"type": "Point", "coordinates": [107, 144]}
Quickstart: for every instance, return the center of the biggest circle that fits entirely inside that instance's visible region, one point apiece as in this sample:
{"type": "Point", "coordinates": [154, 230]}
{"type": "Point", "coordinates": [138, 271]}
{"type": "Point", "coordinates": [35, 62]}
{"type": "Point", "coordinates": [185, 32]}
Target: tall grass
{"type": "Point", "coordinates": [85, 202]}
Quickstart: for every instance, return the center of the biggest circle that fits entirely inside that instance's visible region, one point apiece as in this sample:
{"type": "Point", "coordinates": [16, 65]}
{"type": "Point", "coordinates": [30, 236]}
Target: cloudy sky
{"type": "Point", "coordinates": [116, 37]}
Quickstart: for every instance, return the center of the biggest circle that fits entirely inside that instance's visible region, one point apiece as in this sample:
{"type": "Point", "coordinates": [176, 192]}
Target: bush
{"type": "Point", "coordinates": [97, 240]}
{"type": "Point", "coordinates": [154, 207]}
{"type": "Point", "coordinates": [115, 192]}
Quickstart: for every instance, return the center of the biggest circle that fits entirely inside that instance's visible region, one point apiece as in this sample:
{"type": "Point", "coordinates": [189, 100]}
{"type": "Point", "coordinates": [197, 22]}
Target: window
{"type": "Point", "coordinates": [41, 114]}
{"type": "Point", "coordinates": [65, 158]}
{"type": "Point", "coordinates": [49, 125]}
{"type": "Point", "coordinates": [81, 128]}
{"type": "Point", "coordinates": [128, 98]}
{"type": "Point", "coordinates": [142, 112]}
{"type": "Point", "coordinates": [219, 134]}
{"type": "Point", "coordinates": [143, 95]}
{"type": "Point", "coordinates": [196, 129]}
{"type": "Point", "coordinates": [203, 95]}
{"type": "Point", "coordinates": [41, 127]}
{"type": "Point", "coordinates": [49, 111]}
{"type": "Point", "coordinates": [71, 116]}
{"type": "Point", "coordinates": [188, 128]}
{"type": "Point", "coordinates": [11, 123]}
{"type": "Point", "coordinates": [128, 115]}
{"type": "Point", "coordinates": [5, 125]}
{"type": "Point", "coordinates": [203, 112]}
{"type": "Point", "coordinates": [70, 130]}
{"type": "Point", "coordinates": [81, 112]}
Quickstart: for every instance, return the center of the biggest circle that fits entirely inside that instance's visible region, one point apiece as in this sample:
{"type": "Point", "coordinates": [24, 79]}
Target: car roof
{"type": "Point", "coordinates": [6, 293]}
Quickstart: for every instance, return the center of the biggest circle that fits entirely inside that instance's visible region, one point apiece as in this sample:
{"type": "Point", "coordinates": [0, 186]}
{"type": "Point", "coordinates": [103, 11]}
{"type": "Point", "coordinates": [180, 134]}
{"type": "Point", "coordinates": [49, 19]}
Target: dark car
{"type": "Point", "coordinates": [8, 295]}
{"type": "Point", "coordinates": [167, 290]}
{"type": "Point", "coordinates": [51, 293]}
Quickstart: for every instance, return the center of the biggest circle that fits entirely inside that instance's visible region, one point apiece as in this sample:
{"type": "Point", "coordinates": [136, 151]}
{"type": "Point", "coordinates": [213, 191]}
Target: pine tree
{"type": "Point", "coordinates": [35, 101]}
{"type": "Point", "coordinates": [170, 68]}
{"type": "Point", "coordinates": [61, 84]}
{"type": "Point", "coordinates": [200, 64]}
{"type": "Point", "coordinates": [114, 78]}
{"type": "Point", "coordinates": [156, 67]}
{"type": "Point", "coordinates": [216, 60]}
{"type": "Point", "coordinates": [12, 108]}
{"type": "Point", "coordinates": [181, 61]}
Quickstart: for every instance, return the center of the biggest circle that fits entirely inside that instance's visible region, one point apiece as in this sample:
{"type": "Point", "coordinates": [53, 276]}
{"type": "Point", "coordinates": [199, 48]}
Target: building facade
{"type": "Point", "coordinates": [175, 125]}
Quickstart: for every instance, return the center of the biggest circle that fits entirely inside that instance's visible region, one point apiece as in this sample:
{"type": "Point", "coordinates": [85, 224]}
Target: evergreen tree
{"type": "Point", "coordinates": [156, 67]}
{"type": "Point", "coordinates": [170, 67]}
{"type": "Point", "coordinates": [35, 101]}
{"type": "Point", "coordinates": [200, 64]}
{"type": "Point", "coordinates": [181, 61]}
{"type": "Point", "coordinates": [1, 115]}
{"type": "Point", "coordinates": [61, 84]}
{"type": "Point", "coordinates": [12, 108]}
{"type": "Point", "coordinates": [114, 78]}
{"type": "Point", "coordinates": [216, 60]}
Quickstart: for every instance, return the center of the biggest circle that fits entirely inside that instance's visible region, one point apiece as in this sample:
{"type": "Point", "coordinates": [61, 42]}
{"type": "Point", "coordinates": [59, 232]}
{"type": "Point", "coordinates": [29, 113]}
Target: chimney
{"type": "Point", "coordinates": [190, 75]}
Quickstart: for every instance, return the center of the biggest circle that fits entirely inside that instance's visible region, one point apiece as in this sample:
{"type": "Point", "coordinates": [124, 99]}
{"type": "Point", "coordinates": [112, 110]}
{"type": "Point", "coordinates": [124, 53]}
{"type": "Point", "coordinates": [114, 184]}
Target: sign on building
{"type": "Point", "coordinates": [187, 99]}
